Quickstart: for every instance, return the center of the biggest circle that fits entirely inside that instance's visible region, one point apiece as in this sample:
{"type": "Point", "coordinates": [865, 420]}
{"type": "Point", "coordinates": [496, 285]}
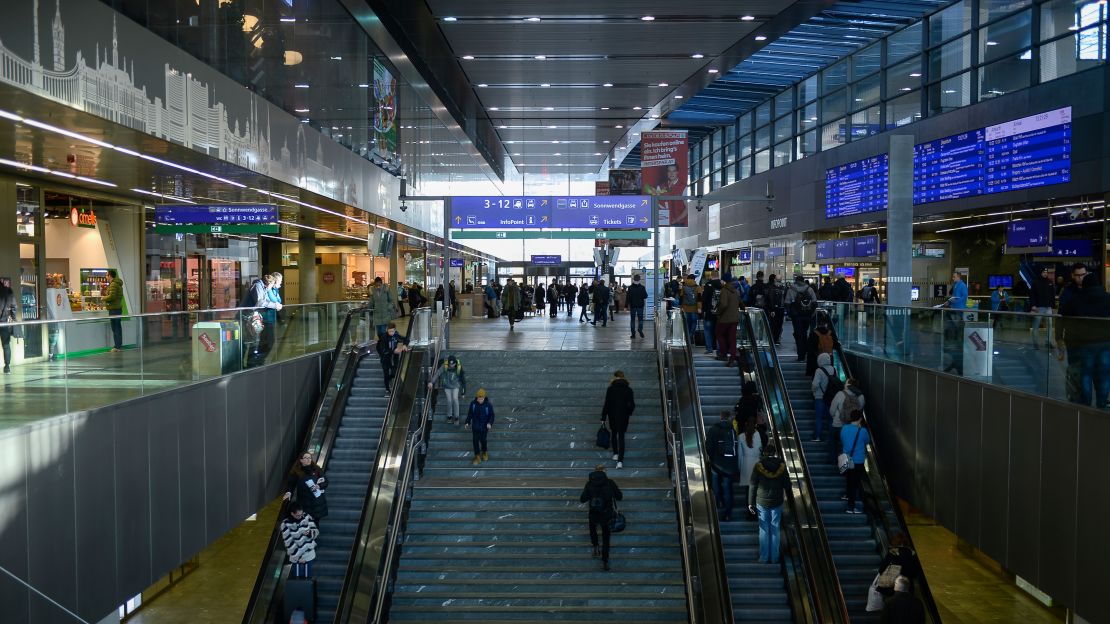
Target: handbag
{"type": "Point", "coordinates": [844, 461]}
{"type": "Point", "coordinates": [874, 596]}
{"type": "Point", "coordinates": [603, 437]}
{"type": "Point", "coordinates": [254, 324]}
{"type": "Point", "coordinates": [617, 521]}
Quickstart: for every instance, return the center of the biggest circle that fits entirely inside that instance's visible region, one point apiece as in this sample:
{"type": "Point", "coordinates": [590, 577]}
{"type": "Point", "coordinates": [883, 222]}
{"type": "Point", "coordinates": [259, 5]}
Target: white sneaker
{"type": "Point", "coordinates": [620, 464]}
{"type": "Point", "coordinates": [615, 457]}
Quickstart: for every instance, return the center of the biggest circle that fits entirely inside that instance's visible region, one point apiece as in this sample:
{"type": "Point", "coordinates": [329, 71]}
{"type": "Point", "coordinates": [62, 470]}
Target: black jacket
{"type": "Point", "coordinates": [842, 291]}
{"type": "Point", "coordinates": [708, 313]}
{"type": "Point", "coordinates": [758, 289]}
{"type": "Point", "coordinates": [637, 295]}
{"type": "Point", "coordinates": [1089, 301]}
{"type": "Point", "coordinates": [720, 445]}
{"type": "Point", "coordinates": [826, 292]}
{"type": "Point", "coordinates": [903, 608]}
{"type": "Point", "coordinates": [1043, 294]}
{"type": "Point", "coordinates": [601, 295]}
{"type": "Point", "coordinates": [601, 487]}
{"type": "Point", "coordinates": [7, 304]}
{"type": "Point", "coordinates": [619, 405]}
{"type": "Point", "coordinates": [768, 482]}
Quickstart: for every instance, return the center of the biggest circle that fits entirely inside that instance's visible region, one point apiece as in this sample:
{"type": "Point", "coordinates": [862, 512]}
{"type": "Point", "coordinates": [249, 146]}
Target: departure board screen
{"type": "Point", "coordinates": [857, 187]}
{"type": "Point", "coordinates": [826, 250]}
{"type": "Point", "coordinates": [844, 248]}
{"type": "Point", "coordinates": [1028, 233]}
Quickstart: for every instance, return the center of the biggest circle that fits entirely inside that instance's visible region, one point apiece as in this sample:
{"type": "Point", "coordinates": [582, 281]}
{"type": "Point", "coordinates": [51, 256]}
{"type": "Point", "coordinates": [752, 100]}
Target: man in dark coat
{"type": "Point", "coordinates": [720, 444]}
{"type": "Point", "coordinates": [618, 408]}
{"type": "Point", "coordinates": [636, 299]}
{"type": "Point", "coordinates": [600, 492]}
{"type": "Point", "coordinates": [601, 304]}
{"type": "Point", "coordinates": [902, 607]}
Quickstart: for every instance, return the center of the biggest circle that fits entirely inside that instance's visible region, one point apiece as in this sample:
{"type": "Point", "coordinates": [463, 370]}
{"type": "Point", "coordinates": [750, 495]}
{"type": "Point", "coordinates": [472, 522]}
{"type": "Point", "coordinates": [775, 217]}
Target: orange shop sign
{"type": "Point", "coordinates": [82, 217]}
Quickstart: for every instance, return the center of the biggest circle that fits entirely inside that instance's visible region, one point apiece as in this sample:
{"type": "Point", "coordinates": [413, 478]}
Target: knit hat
{"type": "Point", "coordinates": [481, 393]}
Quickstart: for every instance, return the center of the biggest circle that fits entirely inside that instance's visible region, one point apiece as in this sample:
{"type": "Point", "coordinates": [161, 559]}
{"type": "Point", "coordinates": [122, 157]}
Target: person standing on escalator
{"type": "Point", "coordinates": [305, 485]}
{"type": "Point", "coordinates": [721, 445]}
{"type": "Point", "coordinates": [768, 481]}
{"type": "Point", "coordinates": [853, 440]}
{"type": "Point", "coordinates": [7, 315]}
{"type": "Point", "coordinates": [299, 533]}
{"type": "Point", "coordinates": [390, 347]}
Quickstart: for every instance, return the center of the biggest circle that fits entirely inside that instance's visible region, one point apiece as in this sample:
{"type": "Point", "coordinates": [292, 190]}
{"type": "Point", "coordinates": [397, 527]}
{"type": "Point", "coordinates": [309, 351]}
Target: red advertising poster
{"type": "Point", "coordinates": [665, 165]}
{"type": "Point", "coordinates": [601, 188]}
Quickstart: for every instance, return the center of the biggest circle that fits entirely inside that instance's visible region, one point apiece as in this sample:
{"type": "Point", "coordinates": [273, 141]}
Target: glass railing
{"type": "Point", "coordinates": [1046, 355]}
{"type": "Point", "coordinates": [60, 367]}
{"type": "Point", "coordinates": [814, 585]}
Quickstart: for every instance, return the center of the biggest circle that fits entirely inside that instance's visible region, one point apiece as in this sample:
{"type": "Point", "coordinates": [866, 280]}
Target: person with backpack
{"type": "Point", "coordinates": [841, 405]}
{"type": "Point", "coordinates": [569, 294]}
{"type": "Point", "coordinates": [853, 443]}
{"type": "Point", "coordinates": [822, 339]}
{"type": "Point", "coordinates": [801, 301]}
{"type": "Point", "coordinates": [757, 294]}
{"type": "Point", "coordinates": [553, 299]}
{"type": "Point", "coordinates": [774, 304]}
{"type": "Point", "coordinates": [299, 533]}
{"type": "Point", "coordinates": [825, 382]}
{"type": "Point", "coordinates": [619, 404]}
{"type": "Point", "coordinates": [689, 298]}
{"type": "Point", "coordinates": [383, 304]}
{"type": "Point", "coordinates": [601, 492]}
{"type": "Point", "coordinates": [768, 483]}
{"type": "Point", "coordinates": [584, 302]}
{"type": "Point", "coordinates": [750, 407]}
{"type": "Point", "coordinates": [601, 303]}
{"type": "Point", "coordinates": [390, 347]}
{"type": "Point", "coordinates": [636, 297]}
{"type": "Point", "coordinates": [869, 294]}
{"type": "Point", "coordinates": [452, 378]}
{"type": "Point", "coordinates": [721, 445]}
{"type": "Point", "coordinates": [479, 419]}
{"type": "Point", "coordinates": [751, 443]}
{"type": "Point", "coordinates": [710, 295]}
{"type": "Point", "coordinates": [727, 317]}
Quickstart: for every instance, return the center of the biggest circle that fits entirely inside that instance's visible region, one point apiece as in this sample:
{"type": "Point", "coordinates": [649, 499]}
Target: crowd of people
{"type": "Point", "coordinates": [597, 301]}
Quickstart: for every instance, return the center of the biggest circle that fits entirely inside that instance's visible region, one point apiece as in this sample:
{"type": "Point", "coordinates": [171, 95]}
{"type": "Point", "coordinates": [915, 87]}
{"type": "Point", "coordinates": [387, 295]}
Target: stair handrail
{"type": "Point", "coordinates": [882, 497]}
{"type": "Point", "coordinates": [707, 592]}
{"type": "Point", "coordinates": [271, 571]}
{"type": "Point", "coordinates": [819, 570]}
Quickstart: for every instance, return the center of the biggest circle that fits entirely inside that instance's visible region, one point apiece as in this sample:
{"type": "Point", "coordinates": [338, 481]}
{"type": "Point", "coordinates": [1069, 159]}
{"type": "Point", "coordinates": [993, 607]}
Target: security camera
{"type": "Point", "coordinates": [403, 206]}
{"type": "Point", "coordinates": [699, 206]}
{"type": "Point", "coordinates": [1077, 212]}
{"type": "Point", "coordinates": [770, 208]}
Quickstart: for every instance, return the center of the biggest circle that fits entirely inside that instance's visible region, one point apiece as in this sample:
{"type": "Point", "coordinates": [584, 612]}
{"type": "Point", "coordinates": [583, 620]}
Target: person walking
{"type": "Point", "coordinates": [113, 301]}
{"type": "Point", "coordinates": [825, 292]}
{"type": "Point", "coordinates": [390, 347]}
{"type": "Point", "coordinates": [637, 299]}
{"type": "Point", "coordinates": [453, 297]}
{"type": "Point", "coordinates": [822, 377]}
{"type": "Point", "coordinates": [305, 484]}
{"type": "Point", "coordinates": [600, 493]}
{"type": "Point", "coordinates": [512, 301]}
{"type": "Point", "coordinates": [569, 294]}
{"type": "Point", "coordinates": [727, 312]}
{"type": "Point", "coordinates": [619, 404]}
{"type": "Point", "coordinates": [774, 303]}
{"type": "Point", "coordinates": [869, 294]}
{"type": "Point", "coordinates": [614, 293]}
{"type": "Point", "coordinates": [721, 444]}
{"type": "Point", "coordinates": [757, 294]}
{"type": "Point", "coordinates": [1070, 331]}
{"type": "Point", "coordinates": [801, 301]}
{"type": "Point", "coordinates": [822, 339]}
{"type": "Point", "coordinates": [584, 302]}
{"type": "Point", "coordinates": [452, 378]}
{"type": "Point", "coordinates": [853, 442]}
{"type": "Point", "coordinates": [7, 315]}
{"type": "Point", "coordinates": [1042, 298]}
{"type": "Point", "coordinates": [540, 298]}
{"type": "Point", "coordinates": [479, 419]}
{"type": "Point", "coordinates": [299, 533]}
{"type": "Point", "coordinates": [553, 299]}
{"type": "Point", "coordinates": [1090, 341]}
{"type": "Point", "coordinates": [710, 295]}
{"type": "Point", "coordinates": [438, 297]}
{"type": "Point", "coordinates": [768, 481]}
{"type": "Point", "coordinates": [270, 313]}
{"type": "Point", "coordinates": [743, 288]}
{"type": "Point", "coordinates": [416, 298]}
{"type": "Point", "coordinates": [384, 307]}
{"type": "Point", "coordinates": [601, 303]}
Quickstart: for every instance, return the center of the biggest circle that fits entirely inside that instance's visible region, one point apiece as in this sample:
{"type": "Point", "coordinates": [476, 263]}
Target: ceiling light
{"type": "Point", "coordinates": [555, 142]}
{"type": "Point", "coordinates": [483, 85]}
{"type": "Point", "coordinates": [915, 75]}
{"type": "Point", "coordinates": [608, 84]}
{"type": "Point", "coordinates": [597, 154]}
{"type": "Point", "coordinates": [606, 141]}
{"type": "Point", "coordinates": [516, 153]}
{"type": "Point", "coordinates": [553, 127]}
{"type": "Point", "coordinates": [300, 86]}
{"type": "Point", "coordinates": [663, 84]}
{"type": "Point", "coordinates": [468, 57]}
{"type": "Point", "coordinates": [532, 19]}
{"type": "Point", "coordinates": [287, 19]}
{"type": "Point", "coordinates": [363, 85]}
{"type": "Point", "coordinates": [760, 38]}
{"type": "Point", "coordinates": [905, 89]}
{"type": "Point", "coordinates": [637, 108]}
{"type": "Point", "coordinates": [604, 108]}
{"type": "Point", "coordinates": [337, 58]}
{"type": "Point", "coordinates": [300, 110]}
{"type": "Point", "coordinates": [747, 18]}
{"type": "Point", "coordinates": [493, 108]}
{"type": "Point", "coordinates": [647, 18]}
{"type": "Point", "coordinates": [549, 108]}
{"type": "Point", "coordinates": [712, 70]}
{"type": "Point", "coordinates": [992, 43]}
{"type": "Point", "coordinates": [292, 57]}
{"type": "Point", "coordinates": [450, 19]}
{"type": "Point", "coordinates": [655, 116]}
{"type": "Point", "coordinates": [698, 55]}
{"type": "Point", "coordinates": [557, 154]}
{"type": "Point", "coordinates": [949, 91]}
{"type": "Point", "coordinates": [503, 127]}
{"type": "Point", "coordinates": [678, 97]}
{"type": "Point", "coordinates": [540, 57]}
{"type": "Point", "coordinates": [545, 84]}
{"type": "Point", "coordinates": [170, 197]}
{"type": "Point", "coordinates": [618, 126]}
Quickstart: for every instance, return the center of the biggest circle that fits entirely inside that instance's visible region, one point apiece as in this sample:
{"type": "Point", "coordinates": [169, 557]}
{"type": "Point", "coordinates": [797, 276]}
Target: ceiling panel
{"type": "Point", "coordinates": [609, 8]}
{"type": "Point", "coordinates": [620, 39]}
{"type": "Point", "coordinates": [617, 71]}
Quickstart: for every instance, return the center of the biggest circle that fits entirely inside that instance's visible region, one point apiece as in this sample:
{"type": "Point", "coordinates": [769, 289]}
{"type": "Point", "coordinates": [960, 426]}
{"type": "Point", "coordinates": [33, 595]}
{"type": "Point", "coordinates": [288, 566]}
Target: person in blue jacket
{"type": "Point", "coordinates": [853, 439]}
{"type": "Point", "coordinates": [479, 419]}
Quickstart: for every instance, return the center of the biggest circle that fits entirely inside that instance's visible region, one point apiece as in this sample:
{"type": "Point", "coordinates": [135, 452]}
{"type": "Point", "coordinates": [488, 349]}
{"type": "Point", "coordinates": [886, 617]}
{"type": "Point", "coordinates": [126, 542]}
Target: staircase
{"type": "Point", "coordinates": [854, 549]}
{"type": "Point", "coordinates": [758, 590]}
{"type": "Point", "coordinates": [507, 541]}
{"type": "Point", "coordinates": [348, 473]}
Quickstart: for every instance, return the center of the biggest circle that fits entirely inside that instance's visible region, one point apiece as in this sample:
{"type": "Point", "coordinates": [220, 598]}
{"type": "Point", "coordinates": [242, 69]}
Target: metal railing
{"type": "Point", "coordinates": [816, 593]}
{"type": "Point", "coordinates": [705, 575]}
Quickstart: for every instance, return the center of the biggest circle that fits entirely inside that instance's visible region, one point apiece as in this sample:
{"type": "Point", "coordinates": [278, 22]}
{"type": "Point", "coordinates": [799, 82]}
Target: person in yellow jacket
{"type": "Point", "coordinates": [689, 297]}
{"type": "Point", "coordinates": [113, 300]}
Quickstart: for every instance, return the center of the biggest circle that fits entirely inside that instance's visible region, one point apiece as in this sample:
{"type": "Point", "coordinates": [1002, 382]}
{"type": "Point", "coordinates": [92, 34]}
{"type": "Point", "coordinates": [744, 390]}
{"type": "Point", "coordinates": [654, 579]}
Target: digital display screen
{"type": "Point", "coordinates": [547, 260]}
{"type": "Point", "coordinates": [776, 252]}
{"type": "Point", "coordinates": [857, 187]}
{"type": "Point", "coordinates": [846, 271]}
{"type": "Point", "coordinates": [1028, 233]}
{"type": "Point", "coordinates": [746, 254]}
{"type": "Point", "coordinates": [866, 246]}
{"type": "Point", "coordinates": [1005, 281]}
{"type": "Point", "coordinates": [759, 255]}
{"type": "Point", "coordinates": [843, 248]}
{"type": "Point", "coordinates": [934, 252]}
{"type": "Point", "coordinates": [826, 250]}
{"type": "Point", "coordinates": [711, 264]}
{"type": "Point", "coordinates": [1076, 248]}
{"type": "Point", "coordinates": [457, 263]}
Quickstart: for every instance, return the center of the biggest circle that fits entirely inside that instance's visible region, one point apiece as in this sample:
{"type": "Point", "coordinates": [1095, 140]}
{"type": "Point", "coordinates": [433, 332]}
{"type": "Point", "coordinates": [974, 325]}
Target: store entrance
{"type": "Point", "coordinates": [211, 283]}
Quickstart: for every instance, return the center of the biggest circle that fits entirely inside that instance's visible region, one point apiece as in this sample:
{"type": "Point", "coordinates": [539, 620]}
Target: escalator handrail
{"type": "Point", "coordinates": [821, 572]}
{"type": "Point", "coordinates": [879, 486]}
{"type": "Point", "coordinates": [716, 571]}
{"type": "Point", "coordinates": [276, 547]}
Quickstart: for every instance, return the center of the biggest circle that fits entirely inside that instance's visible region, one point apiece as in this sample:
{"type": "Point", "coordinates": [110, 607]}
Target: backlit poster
{"type": "Point", "coordinates": [385, 111]}
{"type": "Point", "coordinates": [624, 182]}
{"type": "Point", "coordinates": [665, 164]}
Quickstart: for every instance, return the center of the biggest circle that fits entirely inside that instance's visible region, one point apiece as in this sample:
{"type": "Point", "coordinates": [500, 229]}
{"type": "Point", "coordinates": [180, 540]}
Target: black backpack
{"type": "Point", "coordinates": [802, 304]}
{"type": "Point", "coordinates": [601, 498]}
{"type": "Point", "coordinates": [832, 387]}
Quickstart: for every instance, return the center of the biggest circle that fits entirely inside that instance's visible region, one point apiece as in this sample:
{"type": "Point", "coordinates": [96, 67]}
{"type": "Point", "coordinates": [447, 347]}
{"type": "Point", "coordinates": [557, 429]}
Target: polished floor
{"type": "Point", "coordinates": [542, 333]}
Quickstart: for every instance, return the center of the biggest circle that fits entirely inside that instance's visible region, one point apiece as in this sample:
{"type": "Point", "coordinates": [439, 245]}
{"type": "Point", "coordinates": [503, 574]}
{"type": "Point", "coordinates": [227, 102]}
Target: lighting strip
{"type": "Point", "coordinates": [61, 174]}
{"type": "Point", "coordinates": [281, 238]}
{"type": "Point", "coordinates": [972, 226]}
{"type": "Point", "coordinates": [169, 197]}
{"type": "Point", "coordinates": [307, 205]}
{"type": "Point", "coordinates": [309, 227]}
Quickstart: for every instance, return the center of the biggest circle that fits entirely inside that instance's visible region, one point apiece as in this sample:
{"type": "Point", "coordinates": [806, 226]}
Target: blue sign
{"type": "Point", "coordinates": [215, 214]}
{"type": "Point", "coordinates": [760, 255]}
{"type": "Point", "coordinates": [500, 213]}
{"type": "Point", "coordinates": [618, 212]}
{"type": "Point", "coordinates": [547, 260]}
{"type": "Point", "coordinates": [866, 246]}
{"type": "Point", "coordinates": [843, 248]}
{"type": "Point", "coordinates": [1028, 233]}
{"type": "Point", "coordinates": [825, 250]}
{"type": "Point", "coordinates": [1005, 281]}
{"type": "Point", "coordinates": [746, 254]}
{"type": "Point", "coordinates": [1076, 248]}
{"type": "Point", "coordinates": [457, 263]}
{"type": "Point", "coordinates": [857, 187]}
{"type": "Point", "coordinates": [845, 271]}
{"type": "Point", "coordinates": [776, 252]}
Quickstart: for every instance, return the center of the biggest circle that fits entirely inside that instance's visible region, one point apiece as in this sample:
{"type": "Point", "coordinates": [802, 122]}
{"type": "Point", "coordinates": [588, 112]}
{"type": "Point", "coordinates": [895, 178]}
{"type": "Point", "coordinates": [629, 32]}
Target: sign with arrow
{"type": "Point", "coordinates": [626, 212]}
{"type": "Point", "coordinates": [616, 212]}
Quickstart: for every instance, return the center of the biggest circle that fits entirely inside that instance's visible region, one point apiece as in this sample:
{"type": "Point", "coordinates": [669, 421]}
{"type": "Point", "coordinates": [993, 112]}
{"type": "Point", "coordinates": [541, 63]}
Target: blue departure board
{"type": "Point", "coordinates": [1028, 233]}
{"type": "Point", "coordinates": [857, 187]}
{"type": "Point", "coordinates": [866, 246]}
{"type": "Point", "coordinates": [844, 247]}
{"type": "Point", "coordinates": [949, 168]}
{"type": "Point", "coordinates": [1072, 248]}
{"type": "Point", "coordinates": [826, 250]}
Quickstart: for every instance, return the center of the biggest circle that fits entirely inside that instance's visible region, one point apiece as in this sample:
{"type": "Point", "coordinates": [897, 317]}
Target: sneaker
{"type": "Point", "coordinates": [620, 464]}
{"type": "Point", "coordinates": [641, 333]}
{"type": "Point", "coordinates": [615, 457]}
{"type": "Point", "coordinates": [633, 335]}
{"type": "Point", "coordinates": [852, 510]}
{"type": "Point", "coordinates": [477, 460]}
{"type": "Point", "coordinates": [7, 370]}
{"type": "Point", "coordinates": [485, 456]}
{"type": "Point", "coordinates": [115, 349]}
{"type": "Point", "coordinates": [844, 497]}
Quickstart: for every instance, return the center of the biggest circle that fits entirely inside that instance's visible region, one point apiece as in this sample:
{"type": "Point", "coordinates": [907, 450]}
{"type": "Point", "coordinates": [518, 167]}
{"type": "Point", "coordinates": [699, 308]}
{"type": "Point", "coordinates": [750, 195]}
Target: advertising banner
{"type": "Point", "coordinates": [624, 182]}
{"type": "Point", "coordinates": [385, 111]}
{"type": "Point", "coordinates": [665, 165]}
{"type": "Point", "coordinates": [602, 188]}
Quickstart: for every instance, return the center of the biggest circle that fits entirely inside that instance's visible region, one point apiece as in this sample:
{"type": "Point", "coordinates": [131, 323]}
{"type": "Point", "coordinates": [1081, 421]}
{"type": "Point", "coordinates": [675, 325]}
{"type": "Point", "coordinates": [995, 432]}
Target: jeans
{"type": "Point", "coordinates": [554, 308]}
{"type": "Point", "coordinates": [726, 339]}
{"type": "Point", "coordinates": [585, 314]}
{"type": "Point", "coordinates": [821, 416]}
{"type": "Point", "coordinates": [855, 478]}
{"type": "Point", "coordinates": [769, 539]}
{"type": "Point", "coordinates": [801, 330]}
{"type": "Point", "coordinates": [722, 489]}
{"type": "Point", "coordinates": [117, 327]}
{"type": "Point", "coordinates": [600, 315]}
{"type": "Point", "coordinates": [691, 325]}
{"type": "Point", "coordinates": [388, 367]}
{"type": "Point", "coordinates": [452, 403]}
{"type": "Point", "coordinates": [6, 342]}
{"type": "Point", "coordinates": [618, 445]}
{"type": "Point", "coordinates": [1043, 315]}
{"type": "Point", "coordinates": [603, 522]}
{"type": "Point", "coordinates": [1094, 376]}
{"type": "Point", "coordinates": [777, 319]}
{"type": "Point", "coordinates": [710, 331]}
{"type": "Point", "coordinates": [836, 447]}
{"type": "Point", "coordinates": [637, 316]}
{"type": "Point", "coordinates": [479, 436]}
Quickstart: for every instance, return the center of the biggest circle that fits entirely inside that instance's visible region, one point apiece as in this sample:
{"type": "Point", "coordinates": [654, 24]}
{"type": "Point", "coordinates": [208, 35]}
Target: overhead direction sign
{"type": "Point", "coordinates": [553, 234]}
{"type": "Point", "coordinates": [577, 211]}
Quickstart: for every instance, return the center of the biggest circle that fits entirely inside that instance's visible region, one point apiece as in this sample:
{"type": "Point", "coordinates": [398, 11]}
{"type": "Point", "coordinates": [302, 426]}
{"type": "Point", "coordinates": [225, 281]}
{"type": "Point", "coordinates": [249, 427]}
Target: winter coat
{"type": "Point", "coordinates": [709, 313]}
{"type": "Point", "coordinates": [637, 295]}
{"type": "Point", "coordinates": [272, 296]}
{"type": "Point", "coordinates": [583, 297]}
{"type": "Point", "coordinates": [601, 295]}
{"type": "Point", "coordinates": [848, 439]}
{"type": "Point", "coordinates": [450, 378]}
{"type": "Point", "coordinates": [8, 309]}
{"type": "Point", "coordinates": [296, 485]}
{"type": "Point", "coordinates": [601, 487]}
{"type": "Point", "coordinates": [749, 456]}
{"type": "Point", "coordinates": [383, 304]}
{"type": "Point", "coordinates": [821, 376]}
{"type": "Point", "coordinates": [619, 405]}
{"type": "Point", "coordinates": [387, 345]}
{"type": "Point", "coordinates": [842, 291]}
{"type": "Point", "coordinates": [552, 295]}
{"type": "Point", "coordinates": [902, 608]}
{"type": "Point", "coordinates": [1089, 301]}
{"type": "Point", "coordinates": [793, 293]}
{"type": "Point", "coordinates": [689, 285]}
{"type": "Point", "coordinates": [757, 295]}
{"type": "Point", "coordinates": [480, 415]}
{"type": "Point", "coordinates": [728, 305]}
{"type": "Point", "coordinates": [113, 299]}
{"type": "Point", "coordinates": [1042, 295]}
{"type": "Point", "coordinates": [720, 445]}
{"type": "Point", "coordinates": [510, 297]}
{"type": "Point", "coordinates": [768, 481]}
{"type": "Point", "coordinates": [541, 297]}
{"type": "Point", "coordinates": [836, 408]}
{"type": "Point", "coordinates": [813, 347]}
{"type": "Point", "coordinates": [300, 538]}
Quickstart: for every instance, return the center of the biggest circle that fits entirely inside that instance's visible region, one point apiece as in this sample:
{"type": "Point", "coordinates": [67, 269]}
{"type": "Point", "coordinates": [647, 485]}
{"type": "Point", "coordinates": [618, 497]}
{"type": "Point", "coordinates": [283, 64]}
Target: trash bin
{"type": "Point", "coordinates": [216, 348]}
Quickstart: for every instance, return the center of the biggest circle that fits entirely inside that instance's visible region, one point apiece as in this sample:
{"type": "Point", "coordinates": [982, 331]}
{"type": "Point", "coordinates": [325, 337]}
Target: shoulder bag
{"type": "Point", "coordinates": [844, 461]}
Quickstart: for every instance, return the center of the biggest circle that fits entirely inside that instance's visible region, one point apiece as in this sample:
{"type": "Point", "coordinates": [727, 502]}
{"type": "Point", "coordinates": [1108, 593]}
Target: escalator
{"type": "Point", "coordinates": [858, 542]}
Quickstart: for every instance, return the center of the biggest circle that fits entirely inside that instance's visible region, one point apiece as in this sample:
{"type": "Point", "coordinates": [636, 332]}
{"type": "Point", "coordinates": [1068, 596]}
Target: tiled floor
{"type": "Point", "coordinates": [968, 588]}
{"type": "Point", "coordinates": [541, 333]}
{"type": "Point", "coordinates": [218, 589]}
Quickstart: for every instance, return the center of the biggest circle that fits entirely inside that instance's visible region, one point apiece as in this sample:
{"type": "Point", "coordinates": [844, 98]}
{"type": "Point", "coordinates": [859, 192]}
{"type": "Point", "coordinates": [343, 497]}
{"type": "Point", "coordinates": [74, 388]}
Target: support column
{"type": "Point", "coordinates": [306, 264]}
{"type": "Point", "coordinates": [9, 244]}
{"type": "Point", "coordinates": [899, 256]}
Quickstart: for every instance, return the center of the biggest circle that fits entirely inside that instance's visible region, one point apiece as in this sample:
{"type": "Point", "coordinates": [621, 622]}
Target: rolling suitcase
{"type": "Point", "coordinates": [300, 593]}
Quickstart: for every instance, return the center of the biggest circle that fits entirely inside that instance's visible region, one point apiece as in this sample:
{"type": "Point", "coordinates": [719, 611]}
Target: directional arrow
{"type": "Point", "coordinates": [643, 202]}
{"type": "Point", "coordinates": [544, 219]}
{"type": "Point", "coordinates": [458, 220]}
{"type": "Point", "coordinates": [643, 219]}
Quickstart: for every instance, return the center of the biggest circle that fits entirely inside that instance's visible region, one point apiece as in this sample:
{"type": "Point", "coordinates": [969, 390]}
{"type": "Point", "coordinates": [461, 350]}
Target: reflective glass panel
{"type": "Point", "coordinates": [951, 58]}
{"type": "Point", "coordinates": [865, 93]}
{"type": "Point", "coordinates": [949, 23]}
{"type": "Point", "coordinates": [903, 77]}
{"type": "Point", "coordinates": [903, 110]}
{"type": "Point", "coordinates": [834, 106]}
{"type": "Point", "coordinates": [867, 61]}
{"type": "Point", "coordinates": [835, 77]}
{"type": "Point", "coordinates": [903, 44]}
{"type": "Point", "coordinates": [950, 94]}
{"type": "Point", "coordinates": [1005, 76]}
{"type": "Point", "coordinates": [1005, 37]}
